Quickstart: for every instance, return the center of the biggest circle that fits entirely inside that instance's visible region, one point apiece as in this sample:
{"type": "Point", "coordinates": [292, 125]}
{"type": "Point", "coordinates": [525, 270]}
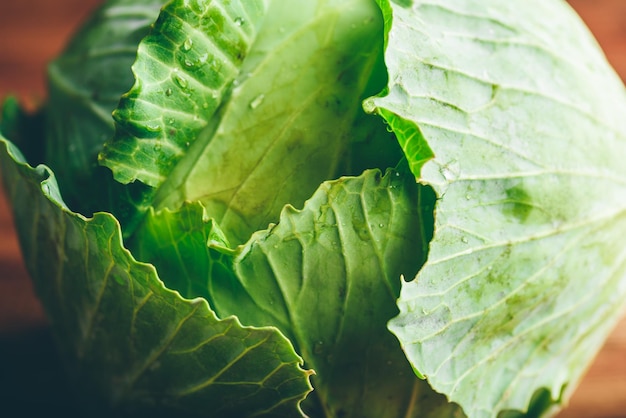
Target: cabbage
{"type": "Point", "coordinates": [325, 208]}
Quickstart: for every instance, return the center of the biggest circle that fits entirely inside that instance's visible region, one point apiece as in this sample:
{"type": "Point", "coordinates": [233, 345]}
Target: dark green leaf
{"type": "Point", "coordinates": [85, 84]}
{"type": "Point", "coordinates": [132, 346]}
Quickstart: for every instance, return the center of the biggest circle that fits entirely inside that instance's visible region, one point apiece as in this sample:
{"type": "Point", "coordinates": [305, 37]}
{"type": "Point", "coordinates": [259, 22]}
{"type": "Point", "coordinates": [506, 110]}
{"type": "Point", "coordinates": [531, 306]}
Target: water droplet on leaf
{"type": "Point", "coordinates": [187, 44]}
{"type": "Point", "coordinates": [257, 101]}
{"type": "Point", "coordinates": [239, 21]}
{"type": "Point", "coordinates": [181, 81]}
{"type": "Point", "coordinates": [450, 171]}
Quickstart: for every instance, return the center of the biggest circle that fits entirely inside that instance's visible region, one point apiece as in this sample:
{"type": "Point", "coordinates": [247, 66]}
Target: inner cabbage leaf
{"type": "Point", "coordinates": [248, 106]}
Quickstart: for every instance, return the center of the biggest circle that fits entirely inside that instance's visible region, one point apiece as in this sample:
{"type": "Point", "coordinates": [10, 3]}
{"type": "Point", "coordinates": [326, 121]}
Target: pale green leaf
{"type": "Point", "coordinates": [526, 271]}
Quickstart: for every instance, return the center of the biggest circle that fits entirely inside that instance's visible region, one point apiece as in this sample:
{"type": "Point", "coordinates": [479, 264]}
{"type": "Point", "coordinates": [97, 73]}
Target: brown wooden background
{"type": "Point", "coordinates": [31, 33]}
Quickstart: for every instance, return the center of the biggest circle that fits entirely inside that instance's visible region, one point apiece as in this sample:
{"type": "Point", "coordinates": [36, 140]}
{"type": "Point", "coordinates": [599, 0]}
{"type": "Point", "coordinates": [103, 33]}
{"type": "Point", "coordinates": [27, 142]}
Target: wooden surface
{"type": "Point", "coordinates": [31, 33]}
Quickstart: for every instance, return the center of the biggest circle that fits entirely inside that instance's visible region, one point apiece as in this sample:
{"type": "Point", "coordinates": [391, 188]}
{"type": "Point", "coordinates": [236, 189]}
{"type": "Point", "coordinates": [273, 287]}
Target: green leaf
{"type": "Point", "coordinates": [526, 271]}
{"type": "Point", "coordinates": [25, 128]}
{"type": "Point", "coordinates": [132, 346]}
{"type": "Point", "coordinates": [85, 84]}
{"type": "Point", "coordinates": [187, 246]}
{"type": "Point", "coordinates": [183, 70]}
{"type": "Point", "coordinates": [327, 276]}
{"type": "Point", "coordinates": [289, 95]}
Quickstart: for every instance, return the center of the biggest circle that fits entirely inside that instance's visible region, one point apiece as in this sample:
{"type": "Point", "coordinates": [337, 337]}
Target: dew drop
{"type": "Point", "coordinates": [363, 234]}
{"type": "Point", "coordinates": [168, 92]}
{"type": "Point", "coordinates": [450, 170]}
{"type": "Point", "coordinates": [381, 225]}
{"type": "Point", "coordinates": [214, 243]}
{"type": "Point", "coordinates": [369, 106]}
{"type": "Point", "coordinates": [257, 101]}
{"type": "Point", "coordinates": [181, 81]}
{"type": "Point", "coordinates": [464, 240]}
{"type": "Point", "coordinates": [205, 105]}
{"type": "Point", "coordinates": [188, 63]}
{"type": "Point", "coordinates": [239, 21]}
{"type": "Point", "coordinates": [447, 173]}
{"type": "Point", "coordinates": [187, 44]}
{"type": "Point", "coordinates": [468, 197]}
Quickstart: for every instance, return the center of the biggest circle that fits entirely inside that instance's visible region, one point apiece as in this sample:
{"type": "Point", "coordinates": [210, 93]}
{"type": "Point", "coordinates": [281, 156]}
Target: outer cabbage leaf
{"type": "Point", "coordinates": [132, 346]}
{"type": "Point", "coordinates": [85, 84]}
{"type": "Point", "coordinates": [526, 271]}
